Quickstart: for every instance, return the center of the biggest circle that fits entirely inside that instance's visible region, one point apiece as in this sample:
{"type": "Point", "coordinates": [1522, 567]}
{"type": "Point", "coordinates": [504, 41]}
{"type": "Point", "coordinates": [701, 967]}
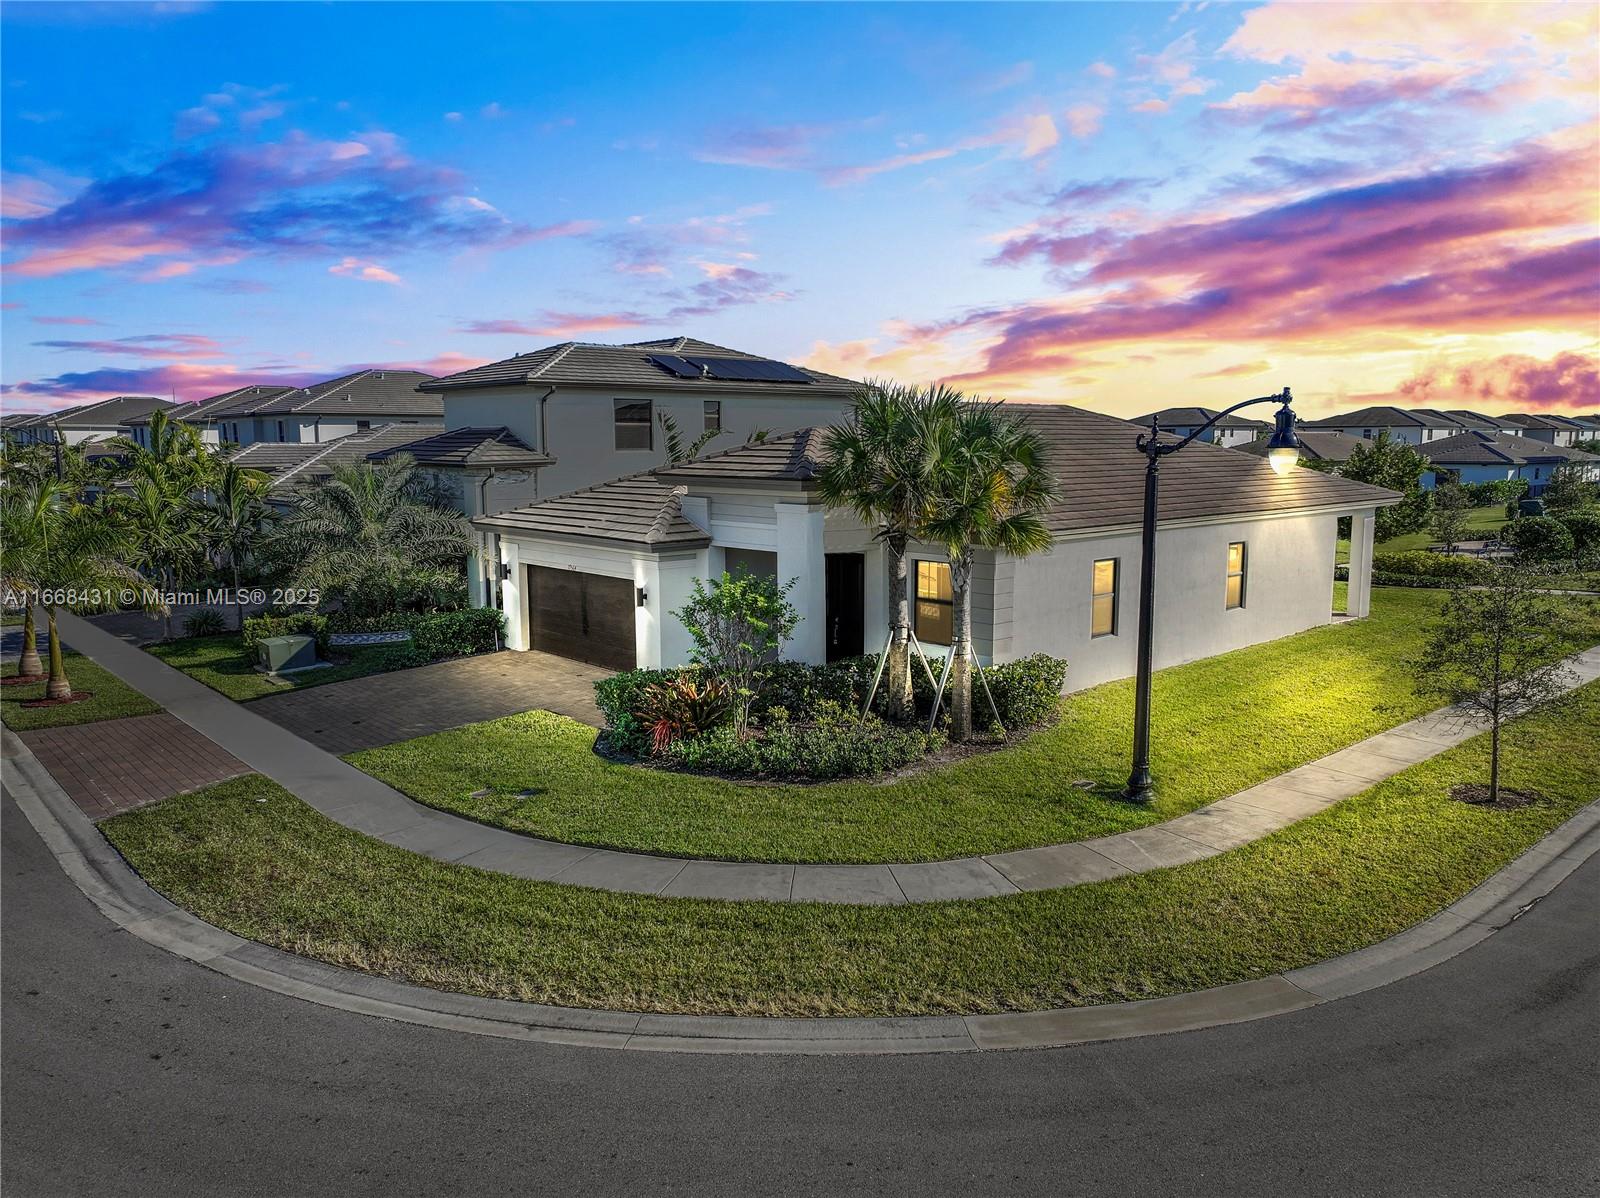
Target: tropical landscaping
{"type": "Point", "coordinates": [247, 856]}
{"type": "Point", "coordinates": [1221, 724]}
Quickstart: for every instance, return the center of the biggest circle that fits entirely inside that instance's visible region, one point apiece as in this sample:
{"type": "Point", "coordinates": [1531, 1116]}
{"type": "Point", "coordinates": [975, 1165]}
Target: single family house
{"type": "Point", "coordinates": [1234, 430]}
{"type": "Point", "coordinates": [1481, 457]}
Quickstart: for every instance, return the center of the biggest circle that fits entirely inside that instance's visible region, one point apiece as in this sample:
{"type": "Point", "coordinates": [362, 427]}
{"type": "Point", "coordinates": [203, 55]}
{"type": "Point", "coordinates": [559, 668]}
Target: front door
{"type": "Point", "coordinates": [846, 595]}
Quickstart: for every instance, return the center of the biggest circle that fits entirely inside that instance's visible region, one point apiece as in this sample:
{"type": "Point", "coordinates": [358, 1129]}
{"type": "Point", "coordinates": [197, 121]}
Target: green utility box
{"type": "Point", "coordinates": [281, 654]}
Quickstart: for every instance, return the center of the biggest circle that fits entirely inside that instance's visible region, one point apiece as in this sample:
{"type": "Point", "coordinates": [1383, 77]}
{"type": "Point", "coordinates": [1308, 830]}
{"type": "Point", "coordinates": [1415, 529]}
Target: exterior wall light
{"type": "Point", "coordinates": [641, 597]}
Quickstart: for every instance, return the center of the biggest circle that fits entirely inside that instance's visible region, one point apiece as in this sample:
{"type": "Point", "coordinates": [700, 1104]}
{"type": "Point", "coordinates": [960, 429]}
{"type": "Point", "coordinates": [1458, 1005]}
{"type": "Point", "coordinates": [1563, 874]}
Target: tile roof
{"type": "Point", "coordinates": [639, 511]}
{"type": "Point", "coordinates": [1322, 444]}
{"type": "Point", "coordinates": [106, 412]}
{"type": "Point", "coordinates": [364, 393]}
{"type": "Point", "coordinates": [1468, 419]}
{"type": "Point", "coordinates": [1100, 474]}
{"type": "Point", "coordinates": [1192, 417]}
{"type": "Point", "coordinates": [470, 447]}
{"type": "Point", "coordinates": [1484, 449]}
{"type": "Point", "coordinates": [291, 463]}
{"type": "Point", "coordinates": [582, 363]}
{"type": "Point", "coordinates": [1540, 420]}
{"type": "Point", "coordinates": [1387, 416]}
{"type": "Point", "coordinates": [204, 410]}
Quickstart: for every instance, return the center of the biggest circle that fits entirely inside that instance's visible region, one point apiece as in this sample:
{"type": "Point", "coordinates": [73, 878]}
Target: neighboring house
{"type": "Point", "coordinates": [1480, 422]}
{"type": "Point", "coordinates": [1415, 426]}
{"type": "Point", "coordinates": [329, 410]}
{"type": "Point", "coordinates": [1482, 457]}
{"type": "Point", "coordinates": [1316, 445]}
{"type": "Point", "coordinates": [293, 465]}
{"type": "Point", "coordinates": [595, 410]}
{"type": "Point", "coordinates": [1232, 430]}
{"type": "Point", "coordinates": [211, 416]}
{"type": "Point", "coordinates": [87, 422]}
{"type": "Point", "coordinates": [1246, 556]}
{"type": "Point", "coordinates": [1547, 427]}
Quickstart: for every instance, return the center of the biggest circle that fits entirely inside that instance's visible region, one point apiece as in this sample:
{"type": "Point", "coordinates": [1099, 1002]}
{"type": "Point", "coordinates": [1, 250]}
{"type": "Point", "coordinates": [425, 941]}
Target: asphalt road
{"type": "Point", "coordinates": [129, 1071]}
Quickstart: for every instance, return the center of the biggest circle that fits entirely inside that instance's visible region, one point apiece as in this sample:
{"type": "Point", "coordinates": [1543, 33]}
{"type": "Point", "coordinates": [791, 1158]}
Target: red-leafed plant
{"type": "Point", "coordinates": [683, 706]}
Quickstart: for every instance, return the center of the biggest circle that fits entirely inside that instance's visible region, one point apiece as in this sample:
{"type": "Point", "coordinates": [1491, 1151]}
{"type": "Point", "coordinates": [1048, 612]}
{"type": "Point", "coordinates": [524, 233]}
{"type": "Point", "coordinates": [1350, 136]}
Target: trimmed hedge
{"type": "Point", "coordinates": [1419, 563]}
{"type": "Point", "coordinates": [456, 633]}
{"type": "Point", "coordinates": [306, 623]}
{"type": "Point", "coordinates": [1539, 538]}
{"type": "Point", "coordinates": [835, 745]}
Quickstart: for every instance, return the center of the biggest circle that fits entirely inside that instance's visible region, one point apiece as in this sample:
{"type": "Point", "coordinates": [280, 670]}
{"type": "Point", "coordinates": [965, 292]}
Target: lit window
{"type": "Point", "coordinates": [713, 414]}
{"type": "Point", "coordinates": [1235, 574]}
{"type": "Point", "coordinates": [1104, 603]}
{"type": "Point", "coordinates": [632, 418]}
{"type": "Point", "coordinates": [934, 606]}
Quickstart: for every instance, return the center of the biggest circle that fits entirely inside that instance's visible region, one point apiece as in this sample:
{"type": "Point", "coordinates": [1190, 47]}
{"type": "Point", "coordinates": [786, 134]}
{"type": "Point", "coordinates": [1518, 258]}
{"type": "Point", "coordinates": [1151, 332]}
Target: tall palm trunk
{"type": "Point", "coordinates": [29, 665]}
{"type": "Point", "coordinates": [961, 646]}
{"type": "Point", "coordinates": [238, 603]}
{"type": "Point", "coordinates": [58, 687]}
{"type": "Point", "coordinates": [168, 578]}
{"type": "Point", "coordinates": [900, 701]}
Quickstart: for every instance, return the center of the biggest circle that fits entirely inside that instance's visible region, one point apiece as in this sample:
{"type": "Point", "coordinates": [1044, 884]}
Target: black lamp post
{"type": "Point", "coordinates": [1283, 451]}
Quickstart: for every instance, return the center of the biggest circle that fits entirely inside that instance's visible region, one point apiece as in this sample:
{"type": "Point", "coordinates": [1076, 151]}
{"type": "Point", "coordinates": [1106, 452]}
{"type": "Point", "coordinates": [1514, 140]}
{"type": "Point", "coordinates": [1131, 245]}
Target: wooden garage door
{"type": "Point", "coordinates": [587, 617]}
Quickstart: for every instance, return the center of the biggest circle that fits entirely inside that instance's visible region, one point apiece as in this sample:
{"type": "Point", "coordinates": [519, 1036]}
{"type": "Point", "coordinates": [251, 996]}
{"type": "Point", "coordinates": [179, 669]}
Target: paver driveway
{"type": "Point", "coordinates": [343, 717]}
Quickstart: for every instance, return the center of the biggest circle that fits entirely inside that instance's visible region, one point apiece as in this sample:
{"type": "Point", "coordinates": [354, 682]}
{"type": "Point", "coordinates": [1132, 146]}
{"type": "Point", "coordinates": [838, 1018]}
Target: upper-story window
{"type": "Point", "coordinates": [1236, 569]}
{"type": "Point", "coordinates": [934, 612]}
{"type": "Point", "coordinates": [363, 425]}
{"type": "Point", "coordinates": [633, 425]}
{"type": "Point", "coordinates": [713, 414]}
{"type": "Point", "coordinates": [281, 437]}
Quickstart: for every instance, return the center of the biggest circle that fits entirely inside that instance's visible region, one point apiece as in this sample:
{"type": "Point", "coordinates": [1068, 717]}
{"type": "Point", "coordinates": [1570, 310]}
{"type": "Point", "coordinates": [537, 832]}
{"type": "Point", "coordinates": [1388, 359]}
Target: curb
{"type": "Point", "coordinates": [129, 902]}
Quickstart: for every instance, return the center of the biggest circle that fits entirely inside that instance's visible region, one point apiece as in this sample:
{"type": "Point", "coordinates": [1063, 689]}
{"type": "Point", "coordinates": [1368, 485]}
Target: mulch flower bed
{"type": "Point", "coordinates": [22, 679]}
{"type": "Point", "coordinates": [77, 697]}
{"type": "Point", "coordinates": [1477, 793]}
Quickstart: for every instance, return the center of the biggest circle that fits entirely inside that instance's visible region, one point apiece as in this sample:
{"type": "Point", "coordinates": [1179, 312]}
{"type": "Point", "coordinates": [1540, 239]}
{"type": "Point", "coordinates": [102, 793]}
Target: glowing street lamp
{"type": "Point", "coordinates": [1283, 451]}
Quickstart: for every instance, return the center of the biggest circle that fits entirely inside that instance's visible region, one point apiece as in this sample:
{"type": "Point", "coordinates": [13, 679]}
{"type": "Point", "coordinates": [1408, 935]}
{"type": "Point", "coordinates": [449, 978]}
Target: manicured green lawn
{"type": "Point", "coordinates": [1219, 726]}
{"type": "Point", "coordinates": [112, 699]}
{"type": "Point", "coordinates": [219, 662]}
{"type": "Point", "coordinates": [1483, 523]}
{"type": "Point", "coordinates": [247, 856]}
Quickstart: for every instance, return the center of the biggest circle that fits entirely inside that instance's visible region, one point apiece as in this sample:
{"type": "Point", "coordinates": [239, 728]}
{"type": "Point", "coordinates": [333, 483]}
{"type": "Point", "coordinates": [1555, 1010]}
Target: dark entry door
{"type": "Point", "coordinates": [846, 595]}
{"type": "Point", "coordinates": [587, 617]}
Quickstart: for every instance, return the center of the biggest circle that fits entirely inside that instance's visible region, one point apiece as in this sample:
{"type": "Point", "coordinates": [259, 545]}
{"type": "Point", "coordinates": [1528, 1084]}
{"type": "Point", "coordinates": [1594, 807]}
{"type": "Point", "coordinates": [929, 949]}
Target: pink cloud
{"type": "Point", "coordinates": [1083, 120]}
{"type": "Point", "coordinates": [1567, 382]}
{"type": "Point", "coordinates": [167, 346]}
{"type": "Point", "coordinates": [556, 324]}
{"type": "Point", "coordinates": [355, 268]}
{"type": "Point", "coordinates": [1242, 370]}
{"type": "Point", "coordinates": [70, 320]}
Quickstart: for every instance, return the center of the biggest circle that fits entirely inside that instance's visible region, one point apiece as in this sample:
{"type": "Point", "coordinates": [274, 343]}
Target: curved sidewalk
{"type": "Point", "coordinates": [128, 901]}
{"type": "Point", "coordinates": [360, 802]}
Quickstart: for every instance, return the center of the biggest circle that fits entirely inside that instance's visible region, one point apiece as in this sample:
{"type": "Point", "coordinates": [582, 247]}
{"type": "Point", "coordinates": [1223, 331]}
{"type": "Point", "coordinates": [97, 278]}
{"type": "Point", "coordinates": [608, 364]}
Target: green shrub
{"type": "Point", "coordinates": [1584, 528]}
{"type": "Point", "coordinates": [1027, 691]}
{"type": "Point", "coordinates": [835, 745]}
{"type": "Point", "coordinates": [682, 707]}
{"type": "Point", "coordinates": [618, 697]}
{"type": "Point", "coordinates": [208, 621]}
{"type": "Point", "coordinates": [456, 633]}
{"type": "Point", "coordinates": [306, 623]}
{"type": "Point", "coordinates": [1419, 563]}
{"type": "Point", "coordinates": [1538, 538]}
{"type": "Point", "coordinates": [1500, 490]}
{"type": "Point", "coordinates": [737, 623]}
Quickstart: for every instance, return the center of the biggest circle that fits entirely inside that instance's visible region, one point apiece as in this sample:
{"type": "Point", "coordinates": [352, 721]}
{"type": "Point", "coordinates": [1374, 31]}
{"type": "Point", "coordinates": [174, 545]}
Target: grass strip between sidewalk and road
{"type": "Point", "coordinates": [247, 856]}
{"type": "Point", "coordinates": [111, 698]}
{"type": "Point", "coordinates": [1219, 726]}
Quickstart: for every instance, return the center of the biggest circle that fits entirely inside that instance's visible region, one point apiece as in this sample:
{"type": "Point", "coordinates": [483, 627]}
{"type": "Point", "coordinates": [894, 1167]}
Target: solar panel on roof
{"type": "Point", "coordinates": [681, 367]}
{"type": "Point", "coordinates": [750, 370]}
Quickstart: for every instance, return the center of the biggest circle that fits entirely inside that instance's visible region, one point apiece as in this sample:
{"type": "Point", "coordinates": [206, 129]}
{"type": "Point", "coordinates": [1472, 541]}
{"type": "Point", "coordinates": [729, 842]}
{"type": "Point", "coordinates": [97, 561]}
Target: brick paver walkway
{"type": "Point", "coordinates": [363, 713]}
{"type": "Point", "coordinates": [117, 765]}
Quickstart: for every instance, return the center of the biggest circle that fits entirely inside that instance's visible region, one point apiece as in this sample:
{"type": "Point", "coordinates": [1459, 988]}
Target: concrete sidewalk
{"type": "Point", "coordinates": [363, 804]}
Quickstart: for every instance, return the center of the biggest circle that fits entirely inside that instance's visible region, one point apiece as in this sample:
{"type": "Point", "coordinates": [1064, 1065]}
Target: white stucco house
{"type": "Point", "coordinates": [1244, 555]}
{"type": "Point", "coordinates": [1481, 457]}
{"type": "Point", "coordinates": [1414, 426]}
{"type": "Point", "coordinates": [98, 421]}
{"type": "Point", "coordinates": [206, 416]}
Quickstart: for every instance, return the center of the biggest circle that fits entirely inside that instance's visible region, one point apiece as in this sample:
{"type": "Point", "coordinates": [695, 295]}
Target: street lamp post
{"type": "Point", "coordinates": [1283, 451]}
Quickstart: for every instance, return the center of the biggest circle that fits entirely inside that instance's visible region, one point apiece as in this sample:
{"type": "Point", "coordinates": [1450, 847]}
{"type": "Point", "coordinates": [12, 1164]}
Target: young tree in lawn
{"type": "Point", "coordinates": [1570, 489]}
{"type": "Point", "coordinates": [235, 514]}
{"type": "Point", "coordinates": [1450, 507]}
{"type": "Point", "coordinates": [878, 466]}
{"type": "Point", "coordinates": [1496, 651]}
{"type": "Point", "coordinates": [1385, 462]}
{"type": "Point", "coordinates": [738, 623]}
{"type": "Point", "coordinates": [989, 488]}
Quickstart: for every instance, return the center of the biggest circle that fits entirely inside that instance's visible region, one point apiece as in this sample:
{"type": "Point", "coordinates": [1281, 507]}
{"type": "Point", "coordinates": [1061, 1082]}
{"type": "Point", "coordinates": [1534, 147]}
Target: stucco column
{"type": "Point", "coordinates": [800, 557]}
{"type": "Point", "coordinates": [511, 597]}
{"type": "Point", "coordinates": [1359, 602]}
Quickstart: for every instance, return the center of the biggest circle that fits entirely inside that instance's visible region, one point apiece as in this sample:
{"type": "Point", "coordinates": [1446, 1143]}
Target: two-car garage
{"type": "Point", "coordinates": [587, 617]}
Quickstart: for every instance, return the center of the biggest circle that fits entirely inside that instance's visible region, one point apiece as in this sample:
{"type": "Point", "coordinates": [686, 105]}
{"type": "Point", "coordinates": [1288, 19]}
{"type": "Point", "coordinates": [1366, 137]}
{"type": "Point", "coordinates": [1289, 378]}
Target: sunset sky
{"type": "Point", "coordinates": [1123, 207]}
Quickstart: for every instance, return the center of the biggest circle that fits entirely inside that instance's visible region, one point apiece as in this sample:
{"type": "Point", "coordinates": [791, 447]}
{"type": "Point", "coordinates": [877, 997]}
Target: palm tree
{"type": "Point", "coordinates": [370, 537]}
{"type": "Point", "coordinates": [163, 515]}
{"type": "Point", "coordinates": [878, 467]}
{"type": "Point", "coordinates": [24, 510]}
{"type": "Point", "coordinates": [679, 450]}
{"type": "Point", "coordinates": [233, 519]}
{"type": "Point", "coordinates": [175, 447]}
{"type": "Point", "coordinates": [81, 558]}
{"type": "Point", "coordinates": [989, 487]}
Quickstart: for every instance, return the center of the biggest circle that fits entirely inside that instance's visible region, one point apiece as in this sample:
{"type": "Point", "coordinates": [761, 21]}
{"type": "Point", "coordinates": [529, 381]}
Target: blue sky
{"type": "Point", "coordinates": [1123, 206]}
